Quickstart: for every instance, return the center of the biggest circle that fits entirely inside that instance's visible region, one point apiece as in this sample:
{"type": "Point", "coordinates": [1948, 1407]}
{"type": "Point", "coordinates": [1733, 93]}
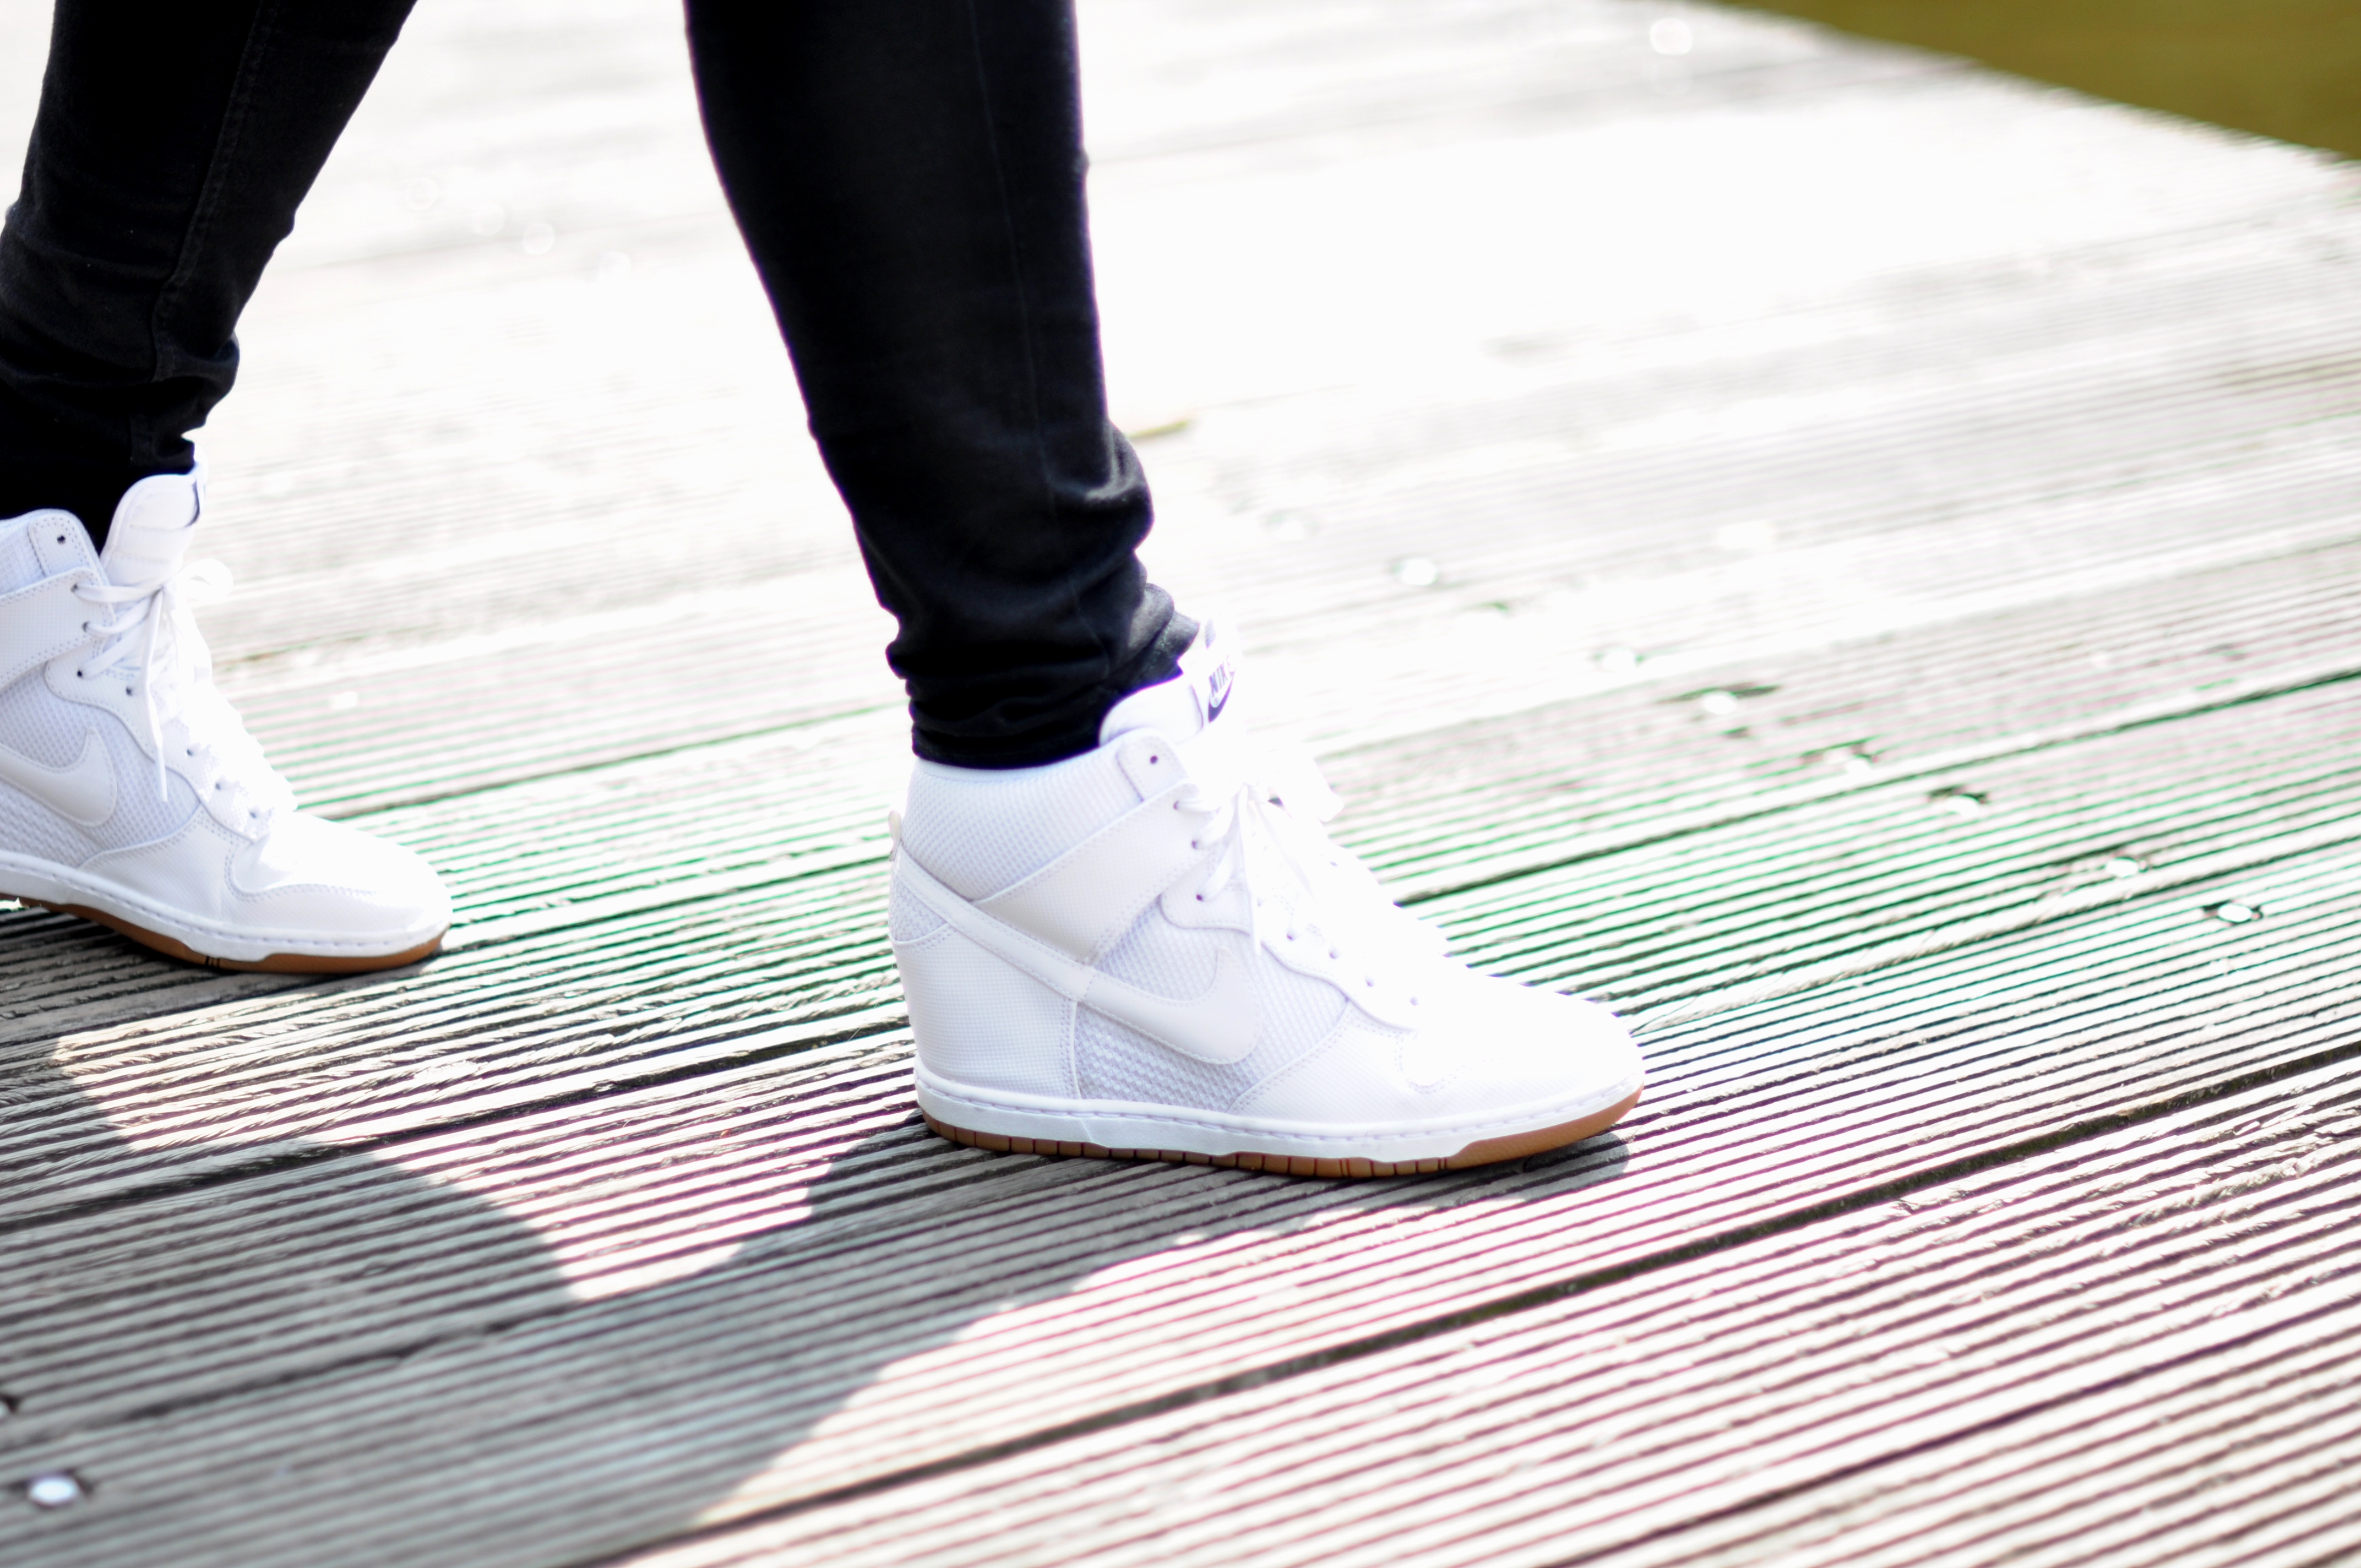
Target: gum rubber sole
{"type": "Point", "coordinates": [274, 963]}
{"type": "Point", "coordinates": [1484, 1151]}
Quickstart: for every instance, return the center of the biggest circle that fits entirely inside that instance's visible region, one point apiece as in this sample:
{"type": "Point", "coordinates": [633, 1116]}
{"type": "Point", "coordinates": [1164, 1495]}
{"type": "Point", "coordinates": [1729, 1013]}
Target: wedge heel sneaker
{"type": "Point", "coordinates": [131, 794]}
{"type": "Point", "coordinates": [1155, 951]}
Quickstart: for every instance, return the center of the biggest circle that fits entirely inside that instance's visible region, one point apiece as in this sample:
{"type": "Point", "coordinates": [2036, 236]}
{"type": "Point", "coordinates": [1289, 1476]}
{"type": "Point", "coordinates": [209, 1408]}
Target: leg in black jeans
{"type": "Point", "coordinates": [908, 175]}
{"type": "Point", "coordinates": [173, 146]}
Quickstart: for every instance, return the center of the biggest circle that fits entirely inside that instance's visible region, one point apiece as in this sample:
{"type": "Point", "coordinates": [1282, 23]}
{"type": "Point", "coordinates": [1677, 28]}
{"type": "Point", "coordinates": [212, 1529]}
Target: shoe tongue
{"type": "Point", "coordinates": [1183, 705]}
{"type": "Point", "coordinates": [152, 526]}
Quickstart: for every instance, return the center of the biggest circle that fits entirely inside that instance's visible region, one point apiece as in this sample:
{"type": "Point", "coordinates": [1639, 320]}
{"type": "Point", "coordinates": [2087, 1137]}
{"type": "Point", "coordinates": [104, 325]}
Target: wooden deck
{"type": "Point", "coordinates": [1852, 556]}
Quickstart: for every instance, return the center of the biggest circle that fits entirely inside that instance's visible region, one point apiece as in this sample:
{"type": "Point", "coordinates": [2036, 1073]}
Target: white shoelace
{"type": "Point", "coordinates": [1268, 812]}
{"type": "Point", "coordinates": [152, 636]}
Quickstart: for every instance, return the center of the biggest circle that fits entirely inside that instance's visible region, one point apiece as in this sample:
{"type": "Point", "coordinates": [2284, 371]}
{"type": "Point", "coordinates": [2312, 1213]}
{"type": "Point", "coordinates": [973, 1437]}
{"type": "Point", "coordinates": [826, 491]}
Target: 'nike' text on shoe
{"type": "Point", "coordinates": [1154, 951]}
{"type": "Point", "coordinates": [131, 794]}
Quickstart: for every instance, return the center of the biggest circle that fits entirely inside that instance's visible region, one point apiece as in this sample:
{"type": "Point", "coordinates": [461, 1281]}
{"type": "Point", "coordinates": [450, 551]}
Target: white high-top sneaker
{"type": "Point", "coordinates": [129, 792]}
{"type": "Point", "coordinates": [1155, 951]}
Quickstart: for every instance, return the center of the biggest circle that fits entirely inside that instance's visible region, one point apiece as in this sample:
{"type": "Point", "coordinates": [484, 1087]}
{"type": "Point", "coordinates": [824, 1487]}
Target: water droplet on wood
{"type": "Point", "coordinates": [58, 1490]}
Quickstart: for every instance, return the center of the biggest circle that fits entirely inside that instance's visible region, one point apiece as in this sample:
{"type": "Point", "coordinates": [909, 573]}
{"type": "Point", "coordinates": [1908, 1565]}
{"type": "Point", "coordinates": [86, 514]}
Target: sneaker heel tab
{"type": "Point", "coordinates": [894, 825]}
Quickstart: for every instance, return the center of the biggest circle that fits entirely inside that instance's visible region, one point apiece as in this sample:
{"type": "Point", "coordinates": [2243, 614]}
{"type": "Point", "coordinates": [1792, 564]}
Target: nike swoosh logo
{"type": "Point", "coordinates": [84, 792]}
{"type": "Point", "coordinates": [1217, 688]}
{"type": "Point", "coordinates": [1217, 1027]}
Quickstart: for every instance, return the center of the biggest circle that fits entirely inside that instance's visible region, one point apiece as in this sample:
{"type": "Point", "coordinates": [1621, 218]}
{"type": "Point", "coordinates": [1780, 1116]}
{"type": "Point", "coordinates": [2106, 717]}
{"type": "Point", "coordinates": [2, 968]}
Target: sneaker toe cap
{"type": "Point", "coordinates": [340, 882]}
{"type": "Point", "coordinates": [1509, 1046]}
{"type": "Point", "coordinates": [1494, 1054]}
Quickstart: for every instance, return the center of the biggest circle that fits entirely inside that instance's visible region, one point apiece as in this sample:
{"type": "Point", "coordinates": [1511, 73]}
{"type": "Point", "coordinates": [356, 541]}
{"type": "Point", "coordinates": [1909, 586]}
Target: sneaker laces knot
{"type": "Point", "coordinates": [152, 636]}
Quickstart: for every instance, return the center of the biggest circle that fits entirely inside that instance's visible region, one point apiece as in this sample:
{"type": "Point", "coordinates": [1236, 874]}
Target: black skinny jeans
{"type": "Point", "coordinates": [908, 175]}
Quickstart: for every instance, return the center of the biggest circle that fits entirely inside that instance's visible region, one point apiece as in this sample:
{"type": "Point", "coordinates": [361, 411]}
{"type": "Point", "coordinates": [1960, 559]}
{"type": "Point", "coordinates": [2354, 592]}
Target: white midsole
{"type": "Point", "coordinates": [29, 877]}
{"type": "Point", "coordinates": [1122, 1125]}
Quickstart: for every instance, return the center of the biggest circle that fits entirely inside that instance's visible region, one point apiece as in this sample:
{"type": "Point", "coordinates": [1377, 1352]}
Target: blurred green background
{"type": "Point", "coordinates": [2289, 69]}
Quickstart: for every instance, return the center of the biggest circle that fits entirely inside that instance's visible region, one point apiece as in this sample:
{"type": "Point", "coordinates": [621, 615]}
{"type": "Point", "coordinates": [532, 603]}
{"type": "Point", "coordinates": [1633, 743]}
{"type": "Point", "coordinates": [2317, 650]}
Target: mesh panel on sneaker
{"type": "Point", "coordinates": [140, 817]}
{"type": "Point", "coordinates": [981, 830]}
{"type": "Point", "coordinates": [1112, 1062]}
{"type": "Point", "coordinates": [35, 724]}
{"type": "Point", "coordinates": [29, 827]}
{"type": "Point", "coordinates": [1159, 956]}
{"type": "Point", "coordinates": [33, 721]}
{"type": "Point", "coordinates": [906, 920]}
{"type": "Point", "coordinates": [1298, 1013]}
{"type": "Point", "coordinates": [1116, 1063]}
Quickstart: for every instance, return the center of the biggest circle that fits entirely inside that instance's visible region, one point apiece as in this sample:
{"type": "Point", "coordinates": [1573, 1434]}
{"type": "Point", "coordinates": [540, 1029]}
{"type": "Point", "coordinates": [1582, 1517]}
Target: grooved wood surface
{"type": "Point", "coordinates": [1848, 556]}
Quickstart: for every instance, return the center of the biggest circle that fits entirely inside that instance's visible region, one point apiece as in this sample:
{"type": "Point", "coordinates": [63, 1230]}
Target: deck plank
{"type": "Point", "coordinates": [2073, 1310]}
{"type": "Point", "coordinates": [1159, 1254]}
{"type": "Point", "coordinates": [1769, 1113]}
{"type": "Point", "coordinates": [1520, 620]}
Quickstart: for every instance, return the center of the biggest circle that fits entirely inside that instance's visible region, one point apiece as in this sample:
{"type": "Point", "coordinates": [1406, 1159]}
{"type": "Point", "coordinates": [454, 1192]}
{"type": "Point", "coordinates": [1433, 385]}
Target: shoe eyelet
{"type": "Point", "coordinates": [1201, 898]}
{"type": "Point", "coordinates": [1153, 759]}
